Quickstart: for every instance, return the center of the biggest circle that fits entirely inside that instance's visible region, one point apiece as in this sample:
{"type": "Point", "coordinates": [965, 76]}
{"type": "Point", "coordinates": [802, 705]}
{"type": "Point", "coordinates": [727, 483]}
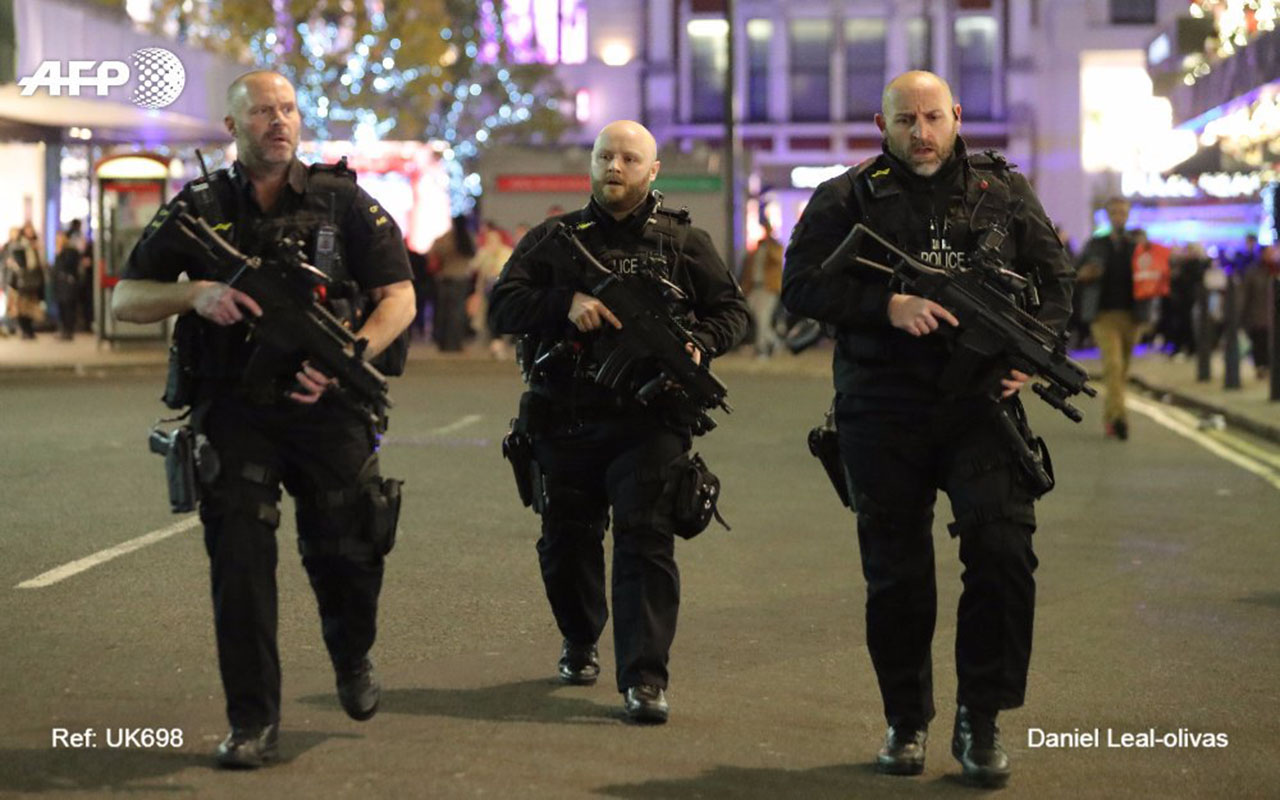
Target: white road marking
{"type": "Point", "coordinates": [1187, 428]}
{"type": "Point", "coordinates": [458, 424]}
{"type": "Point", "coordinates": [102, 556]}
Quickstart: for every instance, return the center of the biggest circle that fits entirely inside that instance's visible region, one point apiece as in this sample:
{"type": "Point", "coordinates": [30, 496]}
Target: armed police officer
{"type": "Point", "coordinates": [913, 415]}
{"type": "Point", "coordinates": [283, 424]}
{"type": "Point", "coordinates": [596, 448]}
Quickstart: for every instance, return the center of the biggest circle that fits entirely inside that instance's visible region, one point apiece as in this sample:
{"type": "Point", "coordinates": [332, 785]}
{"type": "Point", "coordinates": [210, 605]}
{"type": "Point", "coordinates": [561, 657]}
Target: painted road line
{"type": "Point", "coordinates": [1190, 431]}
{"type": "Point", "coordinates": [1231, 440]}
{"type": "Point", "coordinates": [102, 556]}
{"type": "Point", "coordinates": [456, 425]}
{"type": "Point", "coordinates": [434, 436]}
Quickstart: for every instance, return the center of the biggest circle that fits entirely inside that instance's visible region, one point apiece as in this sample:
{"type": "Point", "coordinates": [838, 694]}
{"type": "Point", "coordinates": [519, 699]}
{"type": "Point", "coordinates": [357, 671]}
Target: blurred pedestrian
{"type": "Point", "coordinates": [1106, 273]}
{"type": "Point", "coordinates": [1255, 311]}
{"type": "Point", "coordinates": [26, 276]}
{"type": "Point", "coordinates": [453, 251]}
{"type": "Point", "coordinates": [761, 282]}
{"type": "Point", "coordinates": [66, 279]}
{"type": "Point", "coordinates": [491, 257]}
{"type": "Point", "coordinates": [423, 292]}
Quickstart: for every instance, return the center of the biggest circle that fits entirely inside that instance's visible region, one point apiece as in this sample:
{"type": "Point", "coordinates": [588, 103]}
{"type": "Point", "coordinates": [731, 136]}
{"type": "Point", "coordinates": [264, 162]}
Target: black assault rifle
{"type": "Point", "coordinates": [293, 323]}
{"type": "Point", "coordinates": [649, 331]}
{"type": "Point", "coordinates": [992, 325]}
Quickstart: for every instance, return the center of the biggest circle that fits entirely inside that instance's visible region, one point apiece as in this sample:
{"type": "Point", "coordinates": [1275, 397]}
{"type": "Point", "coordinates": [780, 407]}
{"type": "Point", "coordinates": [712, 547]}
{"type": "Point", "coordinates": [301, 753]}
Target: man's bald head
{"type": "Point", "coordinates": [262, 115]}
{"type": "Point", "coordinates": [908, 84]}
{"type": "Point", "coordinates": [920, 121]}
{"type": "Point", "coordinates": [624, 162]}
{"type": "Point", "coordinates": [625, 132]}
{"type": "Point", "coordinates": [244, 87]}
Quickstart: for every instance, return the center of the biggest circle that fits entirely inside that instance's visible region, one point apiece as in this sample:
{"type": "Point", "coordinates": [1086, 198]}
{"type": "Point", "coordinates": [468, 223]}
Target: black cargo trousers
{"type": "Point", "coordinates": [319, 454]}
{"type": "Point", "coordinates": [599, 461]}
{"type": "Point", "coordinates": [897, 458]}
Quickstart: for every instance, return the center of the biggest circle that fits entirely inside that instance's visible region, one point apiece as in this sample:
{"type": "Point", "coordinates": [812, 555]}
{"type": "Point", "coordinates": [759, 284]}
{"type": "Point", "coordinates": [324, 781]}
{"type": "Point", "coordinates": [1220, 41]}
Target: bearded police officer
{"type": "Point", "coordinates": [902, 436]}
{"type": "Point", "coordinates": [596, 449]}
{"type": "Point", "coordinates": [284, 426]}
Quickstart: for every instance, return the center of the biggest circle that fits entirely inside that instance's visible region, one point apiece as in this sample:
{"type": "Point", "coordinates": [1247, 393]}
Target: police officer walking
{"type": "Point", "coordinates": [597, 449]}
{"type": "Point", "coordinates": [284, 428]}
{"type": "Point", "coordinates": [903, 436]}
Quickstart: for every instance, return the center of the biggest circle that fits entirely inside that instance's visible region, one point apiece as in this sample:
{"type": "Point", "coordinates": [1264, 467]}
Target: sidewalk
{"type": "Point", "coordinates": [1247, 408]}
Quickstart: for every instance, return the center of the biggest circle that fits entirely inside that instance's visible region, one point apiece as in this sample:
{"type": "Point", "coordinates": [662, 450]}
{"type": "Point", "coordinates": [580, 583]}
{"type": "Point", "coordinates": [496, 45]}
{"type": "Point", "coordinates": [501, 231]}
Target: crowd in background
{"type": "Point", "coordinates": [452, 281]}
{"type": "Point", "coordinates": [1195, 295]}
{"type": "Point", "coordinates": [38, 296]}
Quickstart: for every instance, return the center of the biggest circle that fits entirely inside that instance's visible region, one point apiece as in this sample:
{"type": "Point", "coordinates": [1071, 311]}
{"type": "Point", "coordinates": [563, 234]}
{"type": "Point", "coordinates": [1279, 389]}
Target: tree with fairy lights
{"type": "Point", "coordinates": [427, 70]}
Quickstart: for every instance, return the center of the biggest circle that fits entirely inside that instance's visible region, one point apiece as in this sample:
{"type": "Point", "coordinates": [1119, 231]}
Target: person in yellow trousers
{"type": "Point", "coordinates": [1107, 302]}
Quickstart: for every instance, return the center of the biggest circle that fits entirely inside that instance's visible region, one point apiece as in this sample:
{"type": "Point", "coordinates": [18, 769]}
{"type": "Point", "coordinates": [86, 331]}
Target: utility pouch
{"type": "Point", "coordinates": [189, 463]}
{"type": "Point", "coordinates": [381, 498]}
{"type": "Point", "coordinates": [696, 491]}
{"type": "Point", "coordinates": [824, 444]}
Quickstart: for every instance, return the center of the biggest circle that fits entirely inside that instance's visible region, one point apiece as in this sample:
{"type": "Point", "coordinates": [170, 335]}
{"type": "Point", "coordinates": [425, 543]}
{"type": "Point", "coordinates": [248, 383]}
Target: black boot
{"type": "Point", "coordinates": [903, 751]}
{"type": "Point", "coordinates": [579, 664]}
{"type": "Point", "coordinates": [358, 691]}
{"type": "Point", "coordinates": [249, 748]}
{"type": "Point", "coordinates": [646, 705]}
{"type": "Point", "coordinates": [976, 745]}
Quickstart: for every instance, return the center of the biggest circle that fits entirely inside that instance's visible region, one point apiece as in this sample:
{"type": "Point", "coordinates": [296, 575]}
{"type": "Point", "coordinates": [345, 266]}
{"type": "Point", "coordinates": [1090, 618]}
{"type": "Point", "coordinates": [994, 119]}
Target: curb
{"type": "Point", "coordinates": [1260, 429]}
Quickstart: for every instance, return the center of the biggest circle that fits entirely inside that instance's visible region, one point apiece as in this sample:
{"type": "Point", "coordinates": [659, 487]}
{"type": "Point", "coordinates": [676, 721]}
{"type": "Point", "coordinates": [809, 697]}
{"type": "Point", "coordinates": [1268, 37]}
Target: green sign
{"type": "Point", "coordinates": [688, 183]}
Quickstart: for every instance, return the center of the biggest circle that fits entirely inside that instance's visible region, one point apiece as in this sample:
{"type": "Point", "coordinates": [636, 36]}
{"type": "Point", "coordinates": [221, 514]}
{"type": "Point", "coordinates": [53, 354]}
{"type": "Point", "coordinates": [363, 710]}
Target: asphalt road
{"type": "Point", "coordinates": [1159, 608]}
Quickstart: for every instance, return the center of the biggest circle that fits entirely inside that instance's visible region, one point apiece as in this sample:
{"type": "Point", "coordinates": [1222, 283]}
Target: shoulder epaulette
{"type": "Point", "coordinates": [879, 178]}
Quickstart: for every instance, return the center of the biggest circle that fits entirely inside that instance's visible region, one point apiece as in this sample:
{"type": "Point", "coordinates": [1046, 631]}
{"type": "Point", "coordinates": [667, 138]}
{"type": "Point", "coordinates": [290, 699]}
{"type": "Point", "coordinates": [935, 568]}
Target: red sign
{"type": "Point", "coordinates": [574, 184]}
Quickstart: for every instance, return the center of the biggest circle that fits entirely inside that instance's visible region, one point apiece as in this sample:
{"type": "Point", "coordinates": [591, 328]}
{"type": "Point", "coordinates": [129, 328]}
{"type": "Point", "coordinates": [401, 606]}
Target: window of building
{"type": "Point", "coordinates": [864, 66]}
{"type": "Point", "coordinates": [811, 70]}
{"type": "Point", "coordinates": [709, 62]}
{"type": "Point", "coordinates": [536, 31]}
{"type": "Point", "coordinates": [975, 65]}
{"type": "Point", "coordinates": [759, 37]}
{"type": "Point", "coordinates": [919, 44]}
{"type": "Point", "coordinates": [1133, 12]}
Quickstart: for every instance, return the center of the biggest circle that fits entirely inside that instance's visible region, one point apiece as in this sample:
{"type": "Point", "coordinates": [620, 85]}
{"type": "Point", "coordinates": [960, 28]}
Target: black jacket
{"type": "Point", "coordinates": [369, 248]}
{"type": "Point", "coordinates": [937, 219]}
{"type": "Point", "coordinates": [533, 294]}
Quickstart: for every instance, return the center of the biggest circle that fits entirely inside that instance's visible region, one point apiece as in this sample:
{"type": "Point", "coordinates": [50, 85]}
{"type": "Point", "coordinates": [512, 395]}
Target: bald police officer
{"type": "Point", "coordinates": [902, 436]}
{"type": "Point", "coordinates": [599, 450]}
{"type": "Point", "coordinates": [282, 428]}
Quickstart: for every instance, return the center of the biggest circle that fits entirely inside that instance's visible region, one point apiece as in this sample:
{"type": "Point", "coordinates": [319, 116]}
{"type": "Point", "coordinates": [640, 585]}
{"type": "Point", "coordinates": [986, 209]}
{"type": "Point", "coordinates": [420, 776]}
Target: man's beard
{"type": "Point", "coordinates": [633, 196]}
{"type": "Point", "coordinates": [258, 154]}
{"type": "Point", "coordinates": [930, 168]}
